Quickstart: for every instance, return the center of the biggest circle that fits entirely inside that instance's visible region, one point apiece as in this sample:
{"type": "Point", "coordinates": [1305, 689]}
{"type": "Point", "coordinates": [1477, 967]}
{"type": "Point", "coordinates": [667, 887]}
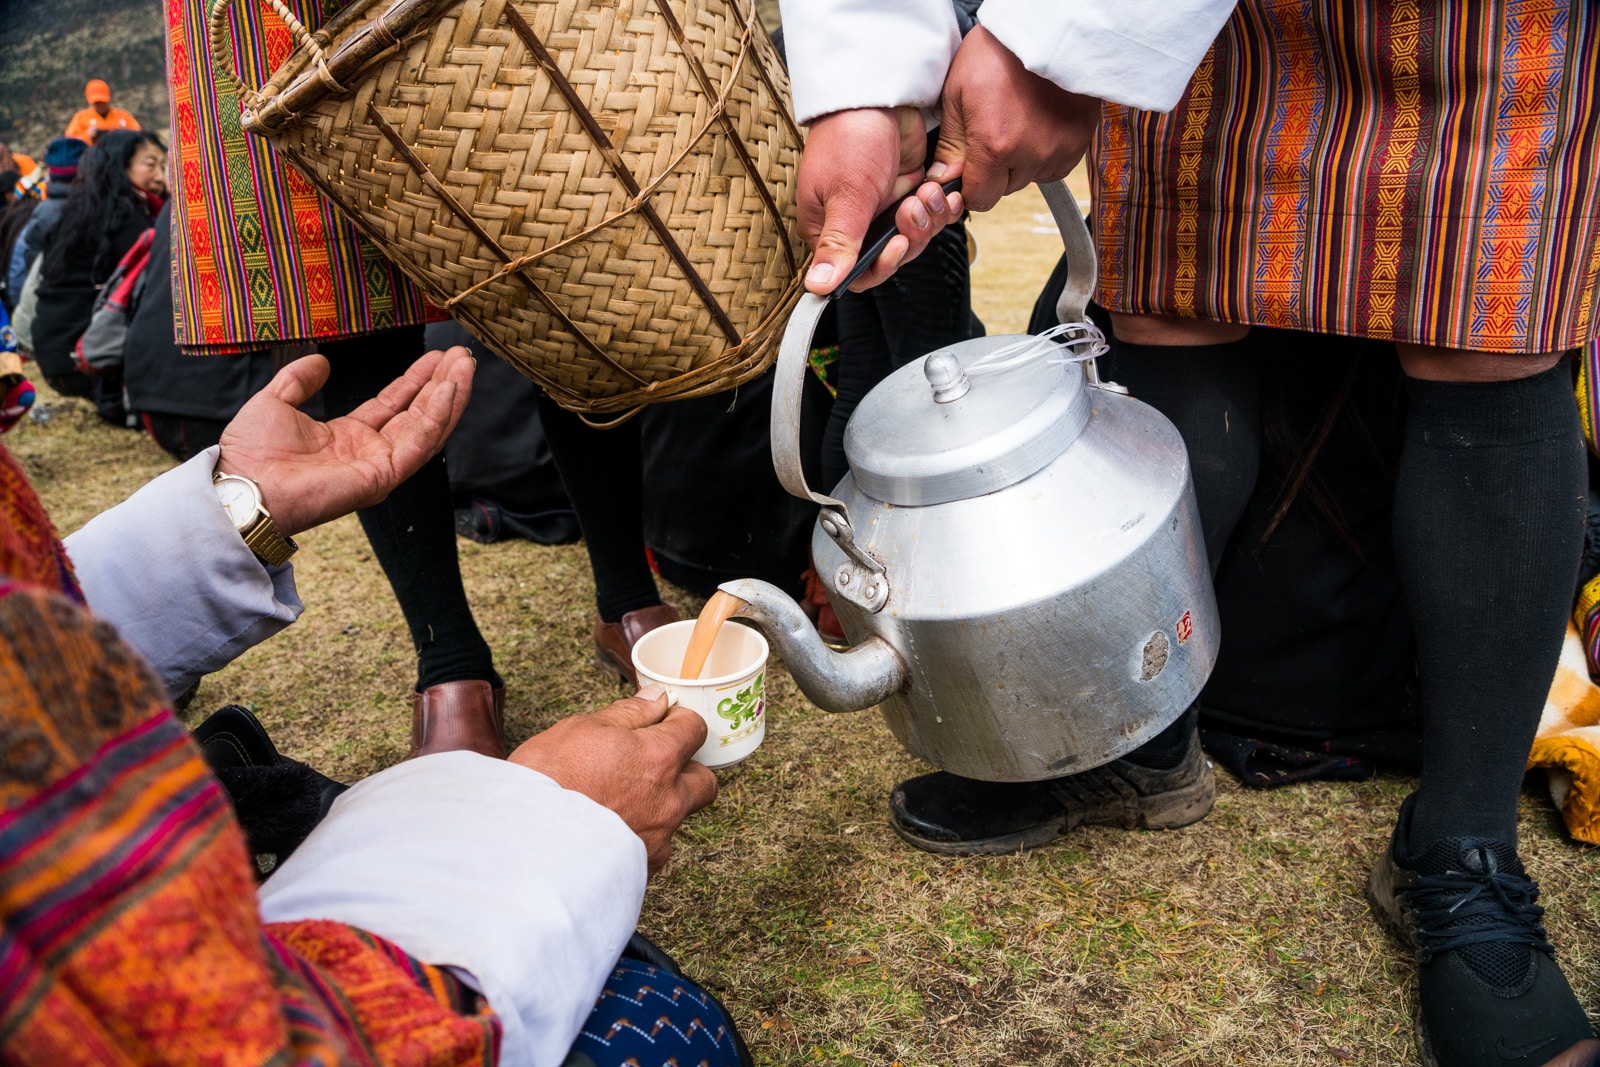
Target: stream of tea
{"type": "Point", "coordinates": [718, 610]}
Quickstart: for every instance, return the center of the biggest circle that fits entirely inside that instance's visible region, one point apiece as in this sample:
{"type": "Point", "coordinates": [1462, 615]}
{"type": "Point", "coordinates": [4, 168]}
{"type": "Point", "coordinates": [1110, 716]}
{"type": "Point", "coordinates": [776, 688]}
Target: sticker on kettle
{"type": "Point", "coordinates": [1185, 627]}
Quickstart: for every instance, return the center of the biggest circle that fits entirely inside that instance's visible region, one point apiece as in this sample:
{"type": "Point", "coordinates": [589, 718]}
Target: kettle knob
{"type": "Point", "coordinates": [944, 373]}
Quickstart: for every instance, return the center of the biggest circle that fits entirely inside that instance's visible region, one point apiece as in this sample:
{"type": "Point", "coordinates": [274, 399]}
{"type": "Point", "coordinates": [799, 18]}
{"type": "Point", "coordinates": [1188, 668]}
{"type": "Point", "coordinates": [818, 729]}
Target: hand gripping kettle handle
{"type": "Point", "coordinates": [794, 355]}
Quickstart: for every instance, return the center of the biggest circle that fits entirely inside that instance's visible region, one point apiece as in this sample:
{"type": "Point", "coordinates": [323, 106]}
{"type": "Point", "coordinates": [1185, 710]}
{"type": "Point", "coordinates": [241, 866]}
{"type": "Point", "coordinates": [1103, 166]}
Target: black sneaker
{"type": "Point", "coordinates": [1490, 990]}
{"type": "Point", "coordinates": [946, 813]}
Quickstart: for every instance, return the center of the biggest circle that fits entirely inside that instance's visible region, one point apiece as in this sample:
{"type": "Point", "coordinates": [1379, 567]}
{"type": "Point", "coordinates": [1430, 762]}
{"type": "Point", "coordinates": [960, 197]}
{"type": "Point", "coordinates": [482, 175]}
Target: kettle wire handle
{"type": "Point", "coordinates": [795, 351]}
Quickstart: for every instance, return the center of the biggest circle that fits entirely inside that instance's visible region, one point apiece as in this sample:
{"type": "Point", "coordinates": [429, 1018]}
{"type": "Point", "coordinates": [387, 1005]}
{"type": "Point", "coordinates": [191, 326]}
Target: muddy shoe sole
{"type": "Point", "coordinates": [1383, 896]}
{"type": "Point", "coordinates": [1168, 810]}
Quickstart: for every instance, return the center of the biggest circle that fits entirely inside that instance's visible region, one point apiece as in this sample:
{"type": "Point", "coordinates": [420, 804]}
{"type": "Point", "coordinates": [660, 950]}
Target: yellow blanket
{"type": "Point", "coordinates": [1568, 742]}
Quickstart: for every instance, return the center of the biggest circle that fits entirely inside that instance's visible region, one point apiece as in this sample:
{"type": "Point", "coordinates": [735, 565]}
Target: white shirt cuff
{"type": "Point", "coordinates": [486, 866]}
{"type": "Point", "coordinates": [1140, 53]}
{"type": "Point", "coordinates": [846, 54]}
{"type": "Point", "coordinates": [168, 569]}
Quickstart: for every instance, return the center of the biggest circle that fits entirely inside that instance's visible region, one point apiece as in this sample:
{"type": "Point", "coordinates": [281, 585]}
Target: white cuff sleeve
{"type": "Point", "coordinates": [482, 865]}
{"type": "Point", "coordinates": [1140, 53]}
{"type": "Point", "coordinates": [167, 568]}
{"type": "Point", "coordinates": [867, 53]}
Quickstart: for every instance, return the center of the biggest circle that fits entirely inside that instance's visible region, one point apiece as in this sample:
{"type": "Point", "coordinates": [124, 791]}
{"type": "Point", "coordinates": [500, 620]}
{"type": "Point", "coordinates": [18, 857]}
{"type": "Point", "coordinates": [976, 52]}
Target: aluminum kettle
{"type": "Point", "coordinates": [1015, 556]}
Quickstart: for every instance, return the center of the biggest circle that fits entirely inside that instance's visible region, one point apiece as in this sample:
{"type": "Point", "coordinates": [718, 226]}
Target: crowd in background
{"type": "Point", "coordinates": [69, 224]}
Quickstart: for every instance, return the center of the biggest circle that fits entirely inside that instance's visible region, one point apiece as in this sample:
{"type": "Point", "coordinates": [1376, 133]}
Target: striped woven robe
{"type": "Point", "coordinates": [128, 924]}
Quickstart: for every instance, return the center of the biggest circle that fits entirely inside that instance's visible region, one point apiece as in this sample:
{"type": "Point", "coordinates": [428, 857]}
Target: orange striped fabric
{"type": "Point", "coordinates": [1420, 171]}
{"type": "Point", "coordinates": [128, 923]}
{"type": "Point", "coordinates": [259, 258]}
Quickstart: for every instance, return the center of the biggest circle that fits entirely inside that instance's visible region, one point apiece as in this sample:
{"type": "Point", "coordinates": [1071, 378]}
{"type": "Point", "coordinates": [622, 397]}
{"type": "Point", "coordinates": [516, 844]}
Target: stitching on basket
{"type": "Point", "coordinates": [529, 258]}
{"type": "Point", "coordinates": [439, 190]}
{"type": "Point", "coordinates": [719, 111]}
{"type": "Point", "coordinates": [726, 120]}
{"type": "Point", "coordinates": [766, 79]}
{"type": "Point", "coordinates": [618, 167]}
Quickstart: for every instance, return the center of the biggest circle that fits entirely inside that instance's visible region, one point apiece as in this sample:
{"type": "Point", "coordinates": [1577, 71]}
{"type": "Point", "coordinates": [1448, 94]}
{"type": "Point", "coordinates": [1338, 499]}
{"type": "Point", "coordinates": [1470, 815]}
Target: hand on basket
{"type": "Point", "coordinates": [309, 471]}
{"type": "Point", "coordinates": [633, 757]}
{"type": "Point", "coordinates": [1005, 127]}
{"type": "Point", "coordinates": [855, 164]}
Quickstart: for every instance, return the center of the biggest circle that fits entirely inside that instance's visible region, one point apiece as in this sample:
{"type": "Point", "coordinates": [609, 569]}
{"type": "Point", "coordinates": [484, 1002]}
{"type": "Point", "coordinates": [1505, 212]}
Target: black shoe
{"type": "Point", "coordinates": [278, 801]}
{"type": "Point", "coordinates": [946, 813]}
{"type": "Point", "coordinates": [1491, 992]}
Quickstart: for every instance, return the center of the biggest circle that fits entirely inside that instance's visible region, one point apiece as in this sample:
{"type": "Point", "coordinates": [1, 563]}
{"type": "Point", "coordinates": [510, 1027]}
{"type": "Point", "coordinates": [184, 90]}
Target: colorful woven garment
{"type": "Point", "coordinates": [259, 258]}
{"type": "Point", "coordinates": [1420, 171]}
{"type": "Point", "coordinates": [128, 923]}
{"type": "Point", "coordinates": [30, 551]}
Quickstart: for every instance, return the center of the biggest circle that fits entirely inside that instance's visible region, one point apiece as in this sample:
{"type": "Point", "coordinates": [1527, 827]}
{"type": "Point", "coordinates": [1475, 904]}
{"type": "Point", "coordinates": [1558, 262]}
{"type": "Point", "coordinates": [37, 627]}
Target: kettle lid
{"type": "Point", "coordinates": [928, 433]}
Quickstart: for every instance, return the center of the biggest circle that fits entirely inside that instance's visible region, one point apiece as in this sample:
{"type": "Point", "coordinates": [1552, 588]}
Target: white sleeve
{"type": "Point", "coordinates": [867, 53]}
{"type": "Point", "coordinates": [482, 865]}
{"type": "Point", "coordinates": [167, 568]}
{"type": "Point", "coordinates": [883, 53]}
{"type": "Point", "coordinates": [1135, 52]}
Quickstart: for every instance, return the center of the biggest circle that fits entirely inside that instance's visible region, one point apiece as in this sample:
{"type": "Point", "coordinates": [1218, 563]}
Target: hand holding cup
{"type": "Point", "coordinates": [633, 757]}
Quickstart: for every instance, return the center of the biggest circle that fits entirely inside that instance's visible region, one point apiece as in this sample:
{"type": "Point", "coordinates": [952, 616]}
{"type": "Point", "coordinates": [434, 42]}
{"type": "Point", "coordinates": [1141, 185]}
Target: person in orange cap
{"type": "Point", "coordinates": [99, 116]}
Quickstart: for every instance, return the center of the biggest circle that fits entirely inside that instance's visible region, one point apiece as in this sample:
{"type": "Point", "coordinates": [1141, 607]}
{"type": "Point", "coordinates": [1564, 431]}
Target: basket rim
{"type": "Point", "coordinates": [355, 47]}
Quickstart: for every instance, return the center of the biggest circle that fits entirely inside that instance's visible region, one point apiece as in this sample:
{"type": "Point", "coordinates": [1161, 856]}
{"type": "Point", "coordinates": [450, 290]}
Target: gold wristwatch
{"type": "Point", "coordinates": [241, 499]}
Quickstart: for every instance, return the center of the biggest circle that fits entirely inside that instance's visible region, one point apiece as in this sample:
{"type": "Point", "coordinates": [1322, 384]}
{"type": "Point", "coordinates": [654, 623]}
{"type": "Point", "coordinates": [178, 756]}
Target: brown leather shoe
{"type": "Point", "coordinates": [614, 641]}
{"type": "Point", "coordinates": [458, 717]}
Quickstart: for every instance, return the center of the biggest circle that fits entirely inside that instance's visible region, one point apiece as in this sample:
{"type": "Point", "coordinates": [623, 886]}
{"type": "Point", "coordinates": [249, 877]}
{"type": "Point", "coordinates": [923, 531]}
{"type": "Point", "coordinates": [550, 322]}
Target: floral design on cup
{"type": "Point", "coordinates": [730, 697]}
{"type": "Point", "coordinates": [747, 706]}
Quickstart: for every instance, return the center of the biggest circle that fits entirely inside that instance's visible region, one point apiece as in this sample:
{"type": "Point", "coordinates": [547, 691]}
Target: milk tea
{"type": "Point", "coordinates": [718, 610]}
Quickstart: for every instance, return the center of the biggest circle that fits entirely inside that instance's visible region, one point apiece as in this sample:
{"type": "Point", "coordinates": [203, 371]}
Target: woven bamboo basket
{"type": "Point", "coordinates": [601, 190]}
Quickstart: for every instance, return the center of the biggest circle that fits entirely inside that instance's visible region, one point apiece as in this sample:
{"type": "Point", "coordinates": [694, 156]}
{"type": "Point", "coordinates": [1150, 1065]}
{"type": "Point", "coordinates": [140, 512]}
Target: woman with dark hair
{"type": "Point", "coordinates": [120, 188]}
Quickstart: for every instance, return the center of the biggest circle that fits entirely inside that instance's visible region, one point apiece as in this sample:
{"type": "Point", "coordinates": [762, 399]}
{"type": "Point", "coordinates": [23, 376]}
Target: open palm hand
{"type": "Point", "coordinates": [309, 471]}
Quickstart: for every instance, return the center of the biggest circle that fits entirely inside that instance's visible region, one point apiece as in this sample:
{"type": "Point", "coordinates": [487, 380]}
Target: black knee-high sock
{"type": "Point", "coordinates": [413, 532]}
{"type": "Point", "coordinates": [1488, 528]}
{"type": "Point", "coordinates": [1211, 394]}
{"type": "Point", "coordinates": [603, 471]}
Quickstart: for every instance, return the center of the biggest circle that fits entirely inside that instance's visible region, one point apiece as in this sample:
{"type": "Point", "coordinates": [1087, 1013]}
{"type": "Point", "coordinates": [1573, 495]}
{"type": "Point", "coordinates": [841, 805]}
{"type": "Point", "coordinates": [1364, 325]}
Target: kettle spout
{"type": "Point", "coordinates": [834, 681]}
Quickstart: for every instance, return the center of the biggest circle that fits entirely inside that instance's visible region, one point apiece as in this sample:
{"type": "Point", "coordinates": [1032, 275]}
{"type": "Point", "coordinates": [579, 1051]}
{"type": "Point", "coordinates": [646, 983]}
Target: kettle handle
{"type": "Point", "coordinates": [1083, 267]}
{"type": "Point", "coordinates": [795, 351]}
{"type": "Point", "coordinates": [871, 590]}
{"type": "Point", "coordinates": [794, 357]}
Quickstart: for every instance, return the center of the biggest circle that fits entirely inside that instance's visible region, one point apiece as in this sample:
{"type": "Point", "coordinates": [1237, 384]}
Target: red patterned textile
{"type": "Point", "coordinates": [128, 923]}
{"type": "Point", "coordinates": [30, 551]}
{"type": "Point", "coordinates": [1421, 170]}
{"type": "Point", "coordinates": [259, 258]}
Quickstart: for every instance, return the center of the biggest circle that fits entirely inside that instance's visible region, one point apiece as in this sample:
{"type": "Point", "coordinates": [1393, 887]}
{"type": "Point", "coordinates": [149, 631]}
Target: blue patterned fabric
{"type": "Point", "coordinates": [648, 1017]}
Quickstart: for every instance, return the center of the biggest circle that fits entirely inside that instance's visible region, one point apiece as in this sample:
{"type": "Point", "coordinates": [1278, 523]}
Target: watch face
{"type": "Point", "coordinates": [238, 499]}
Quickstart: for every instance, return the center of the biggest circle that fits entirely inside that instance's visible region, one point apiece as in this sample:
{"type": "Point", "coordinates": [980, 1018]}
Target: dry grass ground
{"type": "Point", "coordinates": [1243, 939]}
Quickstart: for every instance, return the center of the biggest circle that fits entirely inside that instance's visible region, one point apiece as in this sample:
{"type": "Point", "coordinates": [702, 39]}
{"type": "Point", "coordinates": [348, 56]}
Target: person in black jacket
{"type": "Point", "coordinates": [116, 197]}
{"type": "Point", "coordinates": [33, 219]}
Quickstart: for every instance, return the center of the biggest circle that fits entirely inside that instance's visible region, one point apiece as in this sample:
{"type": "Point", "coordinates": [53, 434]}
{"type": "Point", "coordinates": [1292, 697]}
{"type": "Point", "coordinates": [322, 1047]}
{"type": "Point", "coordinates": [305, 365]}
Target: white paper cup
{"type": "Point", "coordinates": [729, 694]}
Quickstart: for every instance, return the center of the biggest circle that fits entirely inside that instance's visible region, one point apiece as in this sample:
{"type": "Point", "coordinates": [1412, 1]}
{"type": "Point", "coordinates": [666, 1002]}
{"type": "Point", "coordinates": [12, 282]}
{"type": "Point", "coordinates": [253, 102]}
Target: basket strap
{"type": "Point", "coordinates": [467, 219]}
{"type": "Point", "coordinates": [734, 141]}
{"type": "Point", "coordinates": [226, 65]}
{"type": "Point", "coordinates": [619, 168]}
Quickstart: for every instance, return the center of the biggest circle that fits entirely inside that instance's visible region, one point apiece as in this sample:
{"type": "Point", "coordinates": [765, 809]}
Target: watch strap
{"type": "Point", "coordinates": [270, 546]}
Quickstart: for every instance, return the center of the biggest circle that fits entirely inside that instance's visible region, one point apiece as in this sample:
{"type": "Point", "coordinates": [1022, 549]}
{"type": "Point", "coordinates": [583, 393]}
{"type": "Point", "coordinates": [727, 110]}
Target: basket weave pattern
{"type": "Point", "coordinates": [601, 190]}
